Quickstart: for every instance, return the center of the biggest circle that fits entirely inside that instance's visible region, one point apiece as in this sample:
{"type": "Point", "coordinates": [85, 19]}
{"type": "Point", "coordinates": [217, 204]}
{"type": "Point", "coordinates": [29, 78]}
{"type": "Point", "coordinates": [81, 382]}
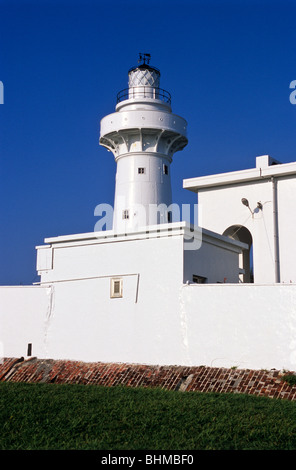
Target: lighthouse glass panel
{"type": "Point", "coordinates": [144, 77]}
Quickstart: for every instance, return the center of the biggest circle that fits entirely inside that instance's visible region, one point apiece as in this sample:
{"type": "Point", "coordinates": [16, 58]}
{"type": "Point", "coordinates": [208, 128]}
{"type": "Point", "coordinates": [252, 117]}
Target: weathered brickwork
{"type": "Point", "coordinates": [179, 378]}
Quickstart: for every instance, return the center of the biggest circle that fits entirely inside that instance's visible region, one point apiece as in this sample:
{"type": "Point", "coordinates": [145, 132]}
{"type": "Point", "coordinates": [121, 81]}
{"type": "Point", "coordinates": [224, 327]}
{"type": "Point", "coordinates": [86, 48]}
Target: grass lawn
{"type": "Point", "coordinates": [90, 417]}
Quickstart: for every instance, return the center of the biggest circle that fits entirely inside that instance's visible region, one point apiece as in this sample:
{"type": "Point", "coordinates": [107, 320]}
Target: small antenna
{"type": "Point", "coordinates": [144, 57]}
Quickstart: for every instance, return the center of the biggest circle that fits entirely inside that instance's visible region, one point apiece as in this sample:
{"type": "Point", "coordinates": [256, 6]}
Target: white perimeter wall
{"type": "Point", "coordinates": [229, 325]}
{"type": "Point", "coordinates": [248, 326]}
{"type": "Point", "coordinates": [23, 317]}
{"type": "Point", "coordinates": [244, 326]}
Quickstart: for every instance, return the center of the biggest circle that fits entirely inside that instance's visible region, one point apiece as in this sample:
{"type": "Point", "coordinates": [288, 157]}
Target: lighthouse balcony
{"type": "Point", "coordinates": [144, 92]}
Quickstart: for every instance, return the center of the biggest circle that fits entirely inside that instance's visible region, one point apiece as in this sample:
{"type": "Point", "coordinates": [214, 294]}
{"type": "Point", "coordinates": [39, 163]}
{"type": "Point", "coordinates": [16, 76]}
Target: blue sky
{"type": "Point", "coordinates": [228, 66]}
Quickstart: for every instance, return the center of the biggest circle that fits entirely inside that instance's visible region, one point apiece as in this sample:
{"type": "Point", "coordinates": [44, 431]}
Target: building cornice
{"type": "Point", "coordinates": [238, 177]}
{"type": "Point", "coordinates": [174, 229]}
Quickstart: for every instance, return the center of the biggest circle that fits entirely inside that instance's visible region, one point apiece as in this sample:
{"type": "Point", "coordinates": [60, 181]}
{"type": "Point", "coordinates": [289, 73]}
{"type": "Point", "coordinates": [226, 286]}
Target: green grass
{"type": "Point", "coordinates": [290, 379]}
{"type": "Point", "coordinates": [51, 416]}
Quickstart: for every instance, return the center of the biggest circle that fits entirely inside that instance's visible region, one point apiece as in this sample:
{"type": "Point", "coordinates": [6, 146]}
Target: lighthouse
{"type": "Point", "coordinates": [143, 134]}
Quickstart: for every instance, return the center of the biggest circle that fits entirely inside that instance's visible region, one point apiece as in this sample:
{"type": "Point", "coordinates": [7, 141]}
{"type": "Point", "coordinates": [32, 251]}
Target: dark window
{"type": "Point", "coordinates": [198, 279]}
{"type": "Point", "coordinates": [116, 288]}
{"type": "Point", "coordinates": [29, 349]}
{"type": "Point", "coordinates": [141, 171]}
{"type": "Point", "coordinates": [125, 214]}
{"type": "Point", "coordinates": [170, 217]}
{"type": "Point", "coordinates": [165, 169]}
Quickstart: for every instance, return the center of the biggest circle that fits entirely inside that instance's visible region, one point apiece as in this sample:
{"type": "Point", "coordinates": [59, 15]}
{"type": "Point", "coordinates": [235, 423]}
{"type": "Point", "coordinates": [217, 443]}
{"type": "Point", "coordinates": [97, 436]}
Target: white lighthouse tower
{"type": "Point", "coordinates": [143, 136]}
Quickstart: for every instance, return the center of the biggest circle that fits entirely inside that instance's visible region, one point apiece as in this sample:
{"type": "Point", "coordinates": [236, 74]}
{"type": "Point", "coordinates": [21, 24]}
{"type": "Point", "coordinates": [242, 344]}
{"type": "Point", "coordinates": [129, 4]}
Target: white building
{"type": "Point", "coordinates": [156, 292]}
{"type": "Point", "coordinates": [255, 206]}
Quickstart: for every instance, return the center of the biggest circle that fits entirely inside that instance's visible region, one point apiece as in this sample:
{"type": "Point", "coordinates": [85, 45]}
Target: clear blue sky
{"type": "Point", "coordinates": [228, 66]}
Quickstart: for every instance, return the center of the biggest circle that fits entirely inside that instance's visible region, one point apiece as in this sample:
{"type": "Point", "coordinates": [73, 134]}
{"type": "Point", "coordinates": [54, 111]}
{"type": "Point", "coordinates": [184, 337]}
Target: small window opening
{"type": "Point", "coordinates": [141, 171]}
{"type": "Point", "coordinates": [29, 349]}
{"type": "Point", "coordinates": [170, 216]}
{"type": "Point", "coordinates": [116, 288]}
{"type": "Point", "coordinates": [198, 279]}
{"type": "Point", "coordinates": [165, 169]}
{"type": "Point", "coordinates": [125, 214]}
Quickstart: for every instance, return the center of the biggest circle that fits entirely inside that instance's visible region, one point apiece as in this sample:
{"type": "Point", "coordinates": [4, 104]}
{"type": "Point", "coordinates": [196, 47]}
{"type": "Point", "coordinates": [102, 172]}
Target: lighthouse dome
{"type": "Point", "coordinates": [144, 75]}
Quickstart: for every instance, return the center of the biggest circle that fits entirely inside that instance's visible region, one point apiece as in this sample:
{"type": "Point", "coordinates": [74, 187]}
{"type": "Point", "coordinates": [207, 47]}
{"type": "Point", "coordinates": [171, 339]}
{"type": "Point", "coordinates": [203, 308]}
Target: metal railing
{"type": "Point", "coordinates": [144, 92]}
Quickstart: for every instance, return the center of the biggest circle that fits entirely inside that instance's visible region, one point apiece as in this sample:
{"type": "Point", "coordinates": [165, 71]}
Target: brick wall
{"type": "Point", "coordinates": [179, 378]}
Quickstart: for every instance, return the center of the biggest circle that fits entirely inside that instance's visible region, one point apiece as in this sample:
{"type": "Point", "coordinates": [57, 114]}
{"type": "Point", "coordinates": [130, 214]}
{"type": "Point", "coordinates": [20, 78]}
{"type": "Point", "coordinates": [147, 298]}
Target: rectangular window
{"type": "Point", "coordinates": [125, 214]}
{"type": "Point", "coordinates": [199, 279]}
{"type": "Point", "coordinates": [141, 171]}
{"type": "Point", "coordinates": [165, 169]}
{"type": "Point", "coordinates": [170, 217]}
{"type": "Point", "coordinates": [116, 288]}
{"type": "Point", "coordinates": [29, 349]}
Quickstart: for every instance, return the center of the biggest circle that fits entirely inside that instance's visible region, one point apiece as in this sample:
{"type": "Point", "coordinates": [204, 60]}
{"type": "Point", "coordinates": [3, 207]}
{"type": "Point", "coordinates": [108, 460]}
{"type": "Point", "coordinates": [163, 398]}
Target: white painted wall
{"type": "Point", "coordinates": [112, 256]}
{"type": "Point", "coordinates": [137, 192]}
{"type": "Point", "coordinates": [220, 207]}
{"type": "Point", "coordinates": [220, 326]}
{"type": "Point", "coordinates": [145, 324]}
{"type": "Point", "coordinates": [159, 320]}
{"type": "Point", "coordinates": [214, 259]}
{"type": "Point", "coordinates": [243, 325]}
{"type": "Point", "coordinates": [86, 324]}
{"type": "Point", "coordinates": [98, 254]}
{"type": "Point", "coordinates": [287, 228]}
{"type": "Point", "coordinates": [23, 320]}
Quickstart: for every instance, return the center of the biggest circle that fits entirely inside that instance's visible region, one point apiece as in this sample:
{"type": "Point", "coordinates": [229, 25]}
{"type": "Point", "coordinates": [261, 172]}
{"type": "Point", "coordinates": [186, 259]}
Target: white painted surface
{"type": "Point", "coordinates": [243, 325]}
{"type": "Point", "coordinates": [143, 135]}
{"type": "Point", "coordinates": [220, 326]}
{"type": "Point", "coordinates": [138, 193]}
{"type": "Point", "coordinates": [147, 323]}
{"type": "Point", "coordinates": [220, 207]}
{"type": "Point", "coordinates": [158, 319]}
{"type": "Point", "coordinates": [86, 324]}
{"type": "Point", "coordinates": [262, 171]}
{"type": "Point", "coordinates": [141, 252]}
{"type": "Point", "coordinates": [23, 320]}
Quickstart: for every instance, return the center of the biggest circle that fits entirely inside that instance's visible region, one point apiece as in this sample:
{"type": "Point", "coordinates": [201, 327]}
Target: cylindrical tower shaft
{"type": "Point", "coordinates": [143, 135]}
